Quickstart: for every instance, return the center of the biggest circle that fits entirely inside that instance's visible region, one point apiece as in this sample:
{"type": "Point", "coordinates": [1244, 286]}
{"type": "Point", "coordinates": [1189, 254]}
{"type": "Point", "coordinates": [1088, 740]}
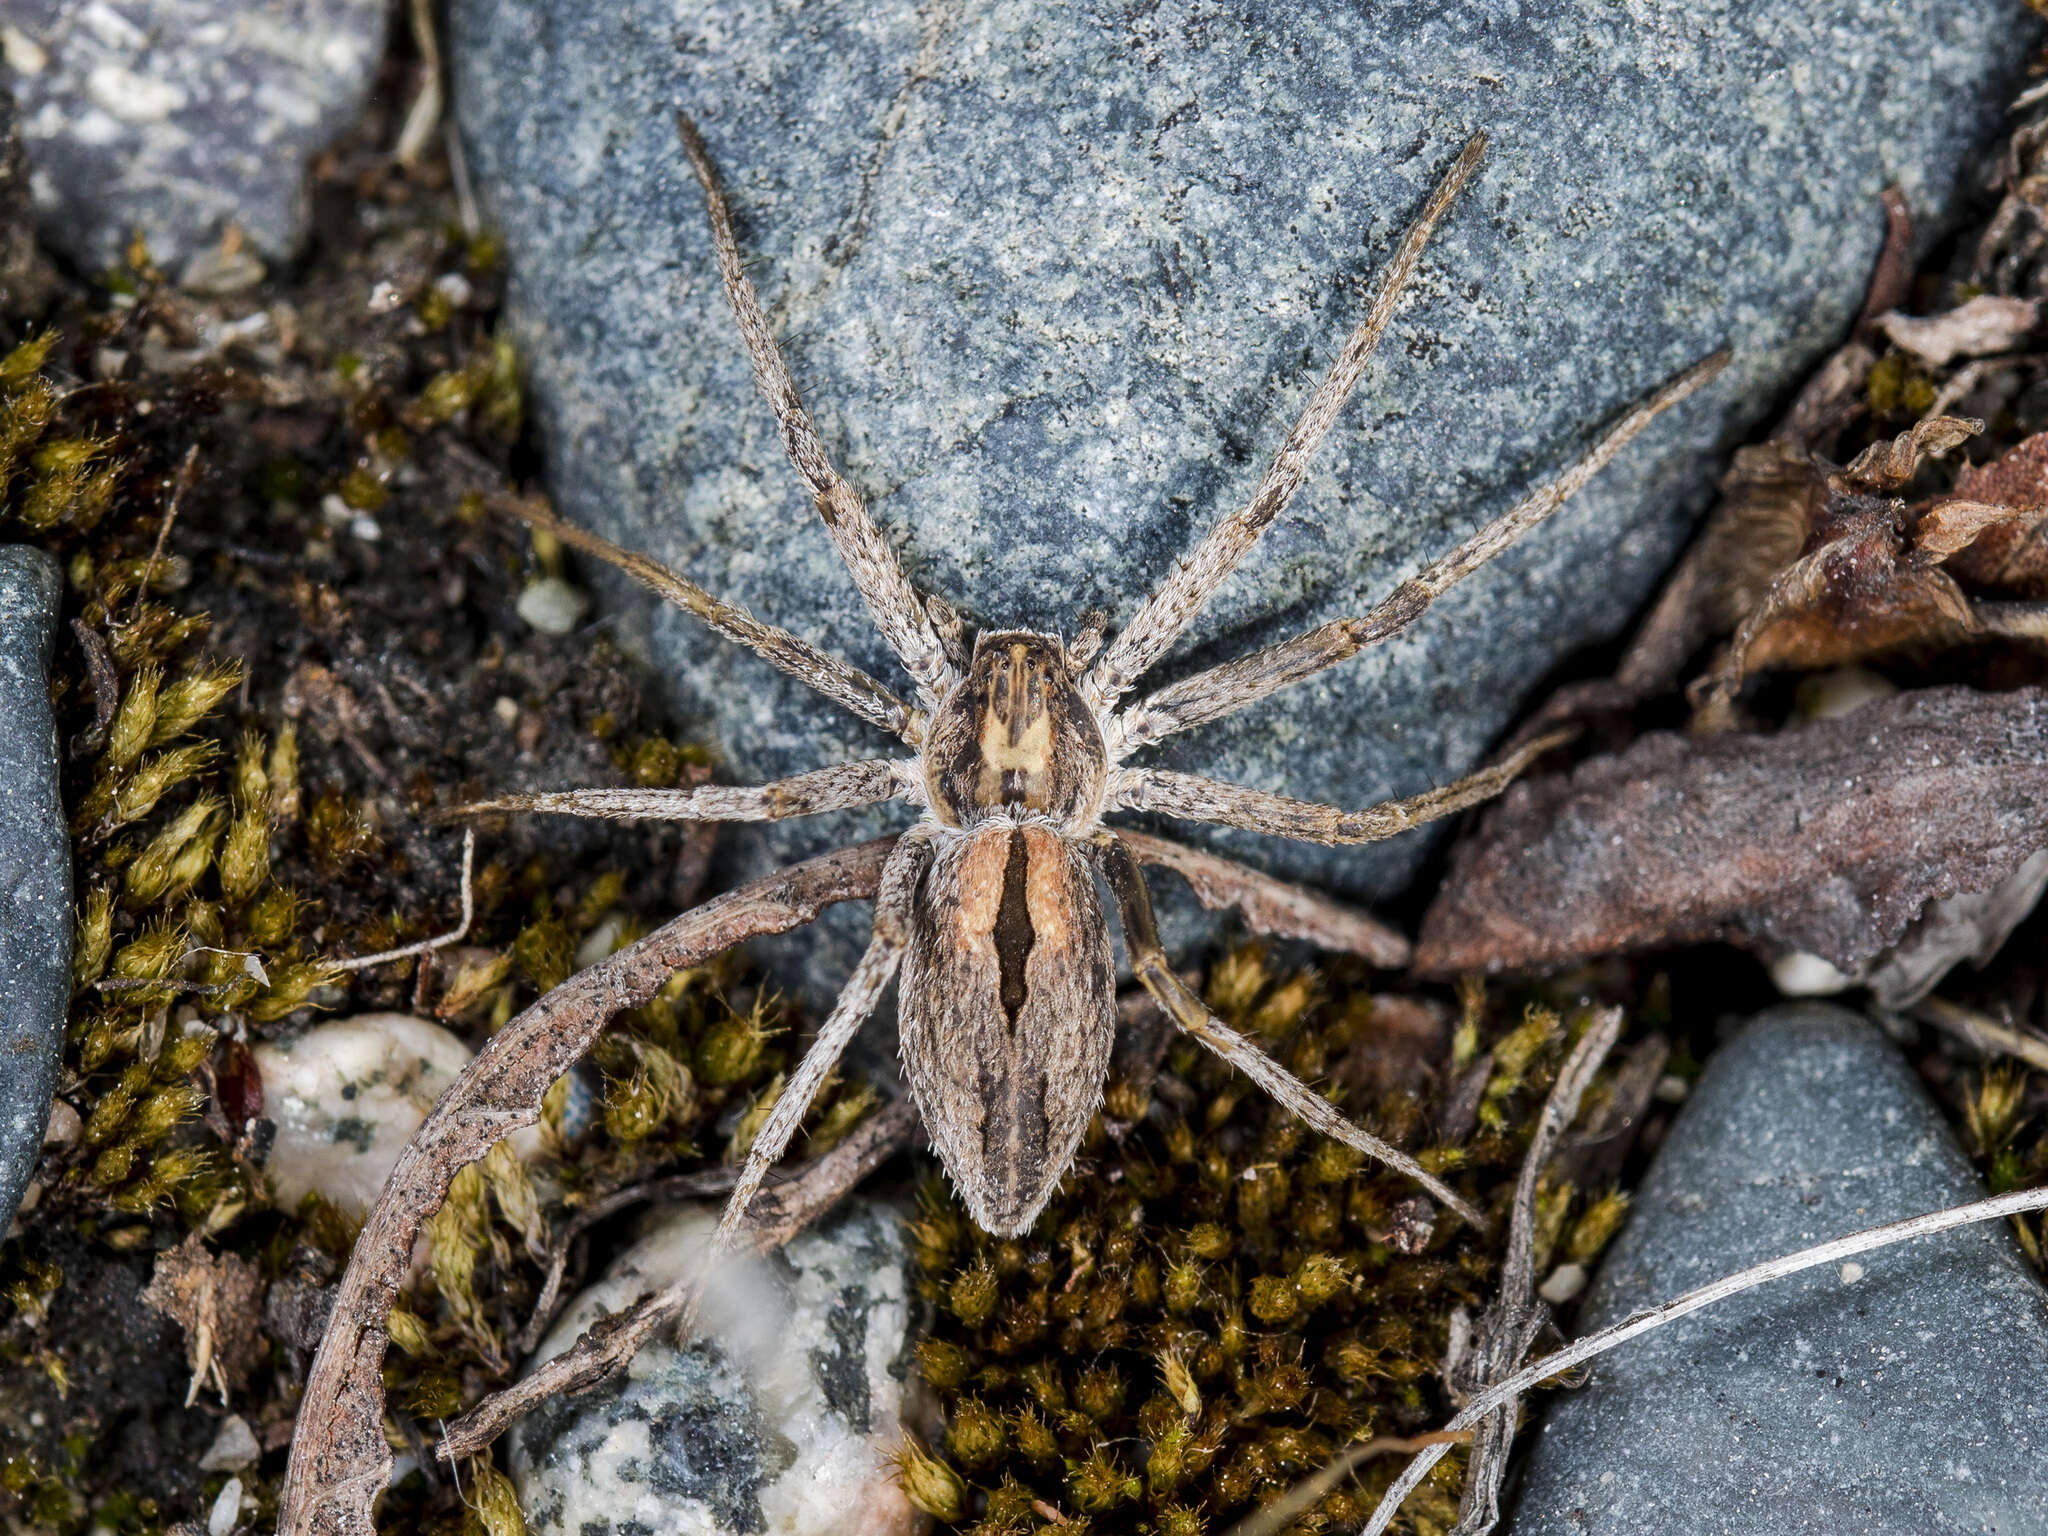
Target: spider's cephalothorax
{"type": "Point", "coordinates": [1015, 738]}
{"type": "Point", "coordinates": [988, 903]}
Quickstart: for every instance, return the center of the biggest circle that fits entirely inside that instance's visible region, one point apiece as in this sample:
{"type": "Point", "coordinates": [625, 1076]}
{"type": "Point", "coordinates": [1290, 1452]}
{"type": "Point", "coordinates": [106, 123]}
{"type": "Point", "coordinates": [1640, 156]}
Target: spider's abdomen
{"type": "Point", "coordinates": [1015, 736]}
{"type": "Point", "coordinates": [1007, 1015]}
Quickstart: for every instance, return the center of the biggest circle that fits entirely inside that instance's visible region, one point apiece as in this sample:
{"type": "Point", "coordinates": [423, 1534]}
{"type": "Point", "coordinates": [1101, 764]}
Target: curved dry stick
{"type": "Point", "coordinates": [340, 1461]}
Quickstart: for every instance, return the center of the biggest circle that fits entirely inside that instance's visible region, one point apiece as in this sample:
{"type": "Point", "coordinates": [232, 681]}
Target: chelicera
{"type": "Point", "coordinates": [1019, 749]}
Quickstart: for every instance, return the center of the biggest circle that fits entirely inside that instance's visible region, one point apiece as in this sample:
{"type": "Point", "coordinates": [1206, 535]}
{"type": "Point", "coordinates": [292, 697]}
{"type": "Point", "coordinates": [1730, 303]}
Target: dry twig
{"type": "Point", "coordinates": [1593, 1345]}
{"type": "Point", "coordinates": [340, 1461]}
{"type": "Point", "coordinates": [1518, 1315]}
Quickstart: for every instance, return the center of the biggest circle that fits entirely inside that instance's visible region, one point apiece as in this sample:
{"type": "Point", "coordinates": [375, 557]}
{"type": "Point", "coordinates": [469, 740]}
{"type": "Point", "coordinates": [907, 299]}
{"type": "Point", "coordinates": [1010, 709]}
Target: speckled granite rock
{"type": "Point", "coordinates": [179, 117]}
{"type": "Point", "coordinates": [1898, 1394]}
{"type": "Point", "coordinates": [1056, 278]}
{"type": "Point", "coordinates": [781, 1424]}
{"type": "Point", "coordinates": [25, 277]}
{"type": "Point", "coordinates": [35, 868]}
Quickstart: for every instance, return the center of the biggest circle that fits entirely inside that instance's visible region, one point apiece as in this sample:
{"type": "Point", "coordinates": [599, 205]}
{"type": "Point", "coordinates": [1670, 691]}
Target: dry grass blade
{"type": "Point", "coordinates": [340, 1459]}
{"type": "Point", "coordinates": [777, 1216]}
{"type": "Point", "coordinates": [425, 946]}
{"type": "Point", "coordinates": [1997, 1208]}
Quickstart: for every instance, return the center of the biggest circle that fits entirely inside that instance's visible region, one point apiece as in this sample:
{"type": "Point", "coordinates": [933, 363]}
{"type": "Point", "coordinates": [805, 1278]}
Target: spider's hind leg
{"type": "Point", "coordinates": [1141, 939]}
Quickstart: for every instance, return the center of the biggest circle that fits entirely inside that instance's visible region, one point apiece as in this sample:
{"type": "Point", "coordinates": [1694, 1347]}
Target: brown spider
{"type": "Point", "coordinates": [988, 904]}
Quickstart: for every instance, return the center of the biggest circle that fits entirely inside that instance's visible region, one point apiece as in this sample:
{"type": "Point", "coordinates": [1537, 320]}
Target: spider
{"type": "Point", "coordinates": [1018, 749]}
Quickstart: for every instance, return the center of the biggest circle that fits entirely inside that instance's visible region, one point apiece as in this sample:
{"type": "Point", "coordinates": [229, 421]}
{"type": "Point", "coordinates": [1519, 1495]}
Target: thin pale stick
{"type": "Point", "coordinates": [1518, 1316]}
{"type": "Point", "coordinates": [1148, 963]}
{"type": "Point", "coordinates": [1271, 1519]}
{"type": "Point", "coordinates": [1191, 797]}
{"type": "Point", "coordinates": [1579, 1351]}
{"type": "Point", "coordinates": [778, 1216]}
{"type": "Point", "coordinates": [897, 609]}
{"type": "Point", "coordinates": [838, 788]}
{"type": "Point", "coordinates": [840, 681]}
{"type": "Point", "coordinates": [1228, 688]}
{"type": "Point", "coordinates": [187, 474]}
{"type": "Point", "coordinates": [1982, 1032]}
{"type": "Point", "coordinates": [426, 946]}
{"type": "Point", "coordinates": [1187, 591]}
{"type": "Point", "coordinates": [340, 1461]}
{"type": "Point", "coordinates": [1274, 907]}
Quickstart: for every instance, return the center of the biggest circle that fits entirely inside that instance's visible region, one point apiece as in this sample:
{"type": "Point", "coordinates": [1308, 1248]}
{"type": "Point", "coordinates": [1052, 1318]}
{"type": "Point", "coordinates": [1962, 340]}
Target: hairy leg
{"type": "Point", "coordinates": [838, 788]}
{"type": "Point", "coordinates": [840, 681]}
{"type": "Point", "coordinates": [1141, 940]}
{"type": "Point", "coordinates": [1230, 687]}
{"type": "Point", "coordinates": [1191, 797]}
{"type": "Point", "coordinates": [857, 1000]}
{"type": "Point", "coordinates": [898, 611]}
{"type": "Point", "coordinates": [1272, 906]}
{"type": "Point", "coordinates": [1184, 594]}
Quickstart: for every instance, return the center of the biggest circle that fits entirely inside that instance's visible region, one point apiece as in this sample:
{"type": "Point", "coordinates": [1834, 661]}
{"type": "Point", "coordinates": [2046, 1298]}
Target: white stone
{"type": "Point", "coordinates": [346, 1096]}
{"type": "Point", "coordinates": [1800, 974]}
{"type": "Point", "coordinates": [552, 606]}
{"type": "Point", "coordinates": [227, 1509]}
{"type": "Point", "coordinates": [1565, 1282]}
{"type": "Point", "coordinates": [234, 1447]}
{"type": "Point", "coordinates": [779, 1419]}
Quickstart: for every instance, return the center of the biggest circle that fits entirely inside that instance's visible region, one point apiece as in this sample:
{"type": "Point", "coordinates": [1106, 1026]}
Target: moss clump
{"type": "Point", "coordinates": [1217, 1300]}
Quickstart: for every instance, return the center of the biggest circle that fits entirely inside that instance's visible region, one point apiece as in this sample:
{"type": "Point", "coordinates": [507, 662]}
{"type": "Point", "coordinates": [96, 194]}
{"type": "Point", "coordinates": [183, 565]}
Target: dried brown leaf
{"type": "Point", "coordinates": [1829, 837]}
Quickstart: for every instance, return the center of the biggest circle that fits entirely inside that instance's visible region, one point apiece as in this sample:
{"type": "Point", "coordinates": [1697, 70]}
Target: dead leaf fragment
{"type": "Point", "coordinates": [1984, 325]}
{"type": "Point", "coordinates": [217, 1300]}
{"type": "Point", "coordinates": [1830, 837]}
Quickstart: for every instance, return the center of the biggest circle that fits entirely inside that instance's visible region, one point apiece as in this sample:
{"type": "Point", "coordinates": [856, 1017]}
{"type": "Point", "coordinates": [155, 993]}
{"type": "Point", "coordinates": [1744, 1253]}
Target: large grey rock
{"type": "Point", "coordinates": [35, 868]}
{"type": "Point", "coordinates": [1900, 1394]}
{"type": "Point", "coordinates": [179, 117]}
{"type": "Point", "coordinates": [1056, 279]}
{"type": "Point", "coordinates": [780, 1417]}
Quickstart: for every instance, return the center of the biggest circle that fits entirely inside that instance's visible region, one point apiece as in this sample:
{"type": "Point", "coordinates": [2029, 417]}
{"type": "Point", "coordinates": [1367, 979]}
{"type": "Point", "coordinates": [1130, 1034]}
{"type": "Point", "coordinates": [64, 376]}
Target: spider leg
{"type": "Point", "coordinates": [837, 788]}
{"type": "Point", "coordinates": [1191, 797]}
{"type": "Point", "coordinates": [1184, 594]}
{"type": "Point", "coordinates": [856, 1001]}
{"type": "Point", "coordinates": [898, 611]}
{"type": "Point", "coordinates": [1148, 962]}
{"type": "Point", "coordinates": [840, 681]}
{"type": "Point", "coordinates": [1228, 688]}
{"type": "Point", "coordinates": [1272, 906]}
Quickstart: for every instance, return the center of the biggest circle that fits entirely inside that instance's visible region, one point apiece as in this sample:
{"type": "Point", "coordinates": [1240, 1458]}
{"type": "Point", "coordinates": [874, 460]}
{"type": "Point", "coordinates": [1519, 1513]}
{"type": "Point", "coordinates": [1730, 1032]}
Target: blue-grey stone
{"type": "Point", "coordinates": [179, 117]}
{"type": "Point", "coordinates": [1898, 1395]}
{"type": "Point", "coordinates": [1056, 278]}
{"type": "Point", "coordinates": [35, 868]}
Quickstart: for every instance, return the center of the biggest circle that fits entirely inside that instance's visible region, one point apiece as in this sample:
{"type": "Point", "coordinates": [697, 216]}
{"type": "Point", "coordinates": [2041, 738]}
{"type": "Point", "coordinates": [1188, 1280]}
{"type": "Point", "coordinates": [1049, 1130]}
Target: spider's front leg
{"type": "Point", "coordinates": [1148, 962]}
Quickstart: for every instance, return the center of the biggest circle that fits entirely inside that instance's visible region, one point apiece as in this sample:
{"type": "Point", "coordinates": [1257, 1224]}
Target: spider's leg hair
{"type": "Point", "coordinates": [1148, 962]}
{"type": "Point", "coordinates": [1273, 907]}
{"type": "Point", "coordinates": [1230, 687]}
{"type": "Point", "coordinates": [897, 609]}
{"type": "Point", "coordinates": [838, 788]}
{"type": "Point", "coordinates": [840, 681]}
{"type": "Point", "coordinates": [863, 990]}
{"type": "Point", "coordinates": [1184, 594]}
{"type": "Point", "coordinates": [1190, 797]}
